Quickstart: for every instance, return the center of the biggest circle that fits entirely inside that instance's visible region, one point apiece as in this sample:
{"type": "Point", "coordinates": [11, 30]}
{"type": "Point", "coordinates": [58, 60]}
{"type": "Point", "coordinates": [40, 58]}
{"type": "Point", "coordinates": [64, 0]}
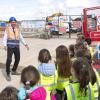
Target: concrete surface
{"type": "Point", "coordinates": [30, 57]}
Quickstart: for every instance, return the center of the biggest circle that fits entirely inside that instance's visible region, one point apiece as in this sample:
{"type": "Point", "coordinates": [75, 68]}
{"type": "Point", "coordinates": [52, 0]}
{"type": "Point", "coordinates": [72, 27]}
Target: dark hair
{"type": "Point", "coordinates": [71, 50]}
{"type": "Point", "coordinates": [80, 39]}
{"type": "Point", "coordinates": [30, 76]}
{"type": "Point", "coordinates": [80, 53]}
{"type": "Point", "coordinates": [84, 55]}
{"type": "Point", "coordinates": [82, 50]}
{"type": "Point", "coordinates": [87, 58]}
{"type": "Point", "coordinates": [80, 46]}
{"type": "Point", "coordinates": [9, 93]}
{"type": "Point", "coordinates": [88, 40]}
{"type": "Point", "coordinates": [81, 68]}
{"type": "Point", "coordinates": [63, 61]}
{"type": "Point", "coordinates": [92, 75]}
{"type": "Point", "coordinates": [44, 56]}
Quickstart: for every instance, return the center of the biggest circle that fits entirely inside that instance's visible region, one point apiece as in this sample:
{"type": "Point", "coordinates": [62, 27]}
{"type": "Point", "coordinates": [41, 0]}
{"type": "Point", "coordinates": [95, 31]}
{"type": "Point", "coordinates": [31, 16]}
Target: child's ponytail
{"type": "Point", "coordinates": [92, 76]}
{"type": "Point", "coordinates": [84, 78]}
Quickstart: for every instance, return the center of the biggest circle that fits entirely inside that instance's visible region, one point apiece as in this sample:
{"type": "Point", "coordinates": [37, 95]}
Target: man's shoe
{"type": "Point", "coordinates": [15, 73]}
{"type": "Point", "coordinates": [8, 77]}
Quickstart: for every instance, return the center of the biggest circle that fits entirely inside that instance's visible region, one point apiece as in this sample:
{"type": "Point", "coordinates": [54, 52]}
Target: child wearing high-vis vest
{"type": "Point", "coordinates": [63, 65]}
{"type": "Point", "coordinates": [47, 71]}
{"type": "Point", "coordinates": [31, 89]}
{"type": "Point", "coordinates": [96, 85]}
{"type": "Point", "coordinates": [80, 89]}
{"type": "Point", "coordinates": [94, 75]}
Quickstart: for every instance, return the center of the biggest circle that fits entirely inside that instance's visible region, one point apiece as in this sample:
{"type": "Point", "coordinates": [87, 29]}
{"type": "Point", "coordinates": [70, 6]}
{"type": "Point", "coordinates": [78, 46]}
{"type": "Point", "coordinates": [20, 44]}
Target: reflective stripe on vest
{"type": "Point", "coordinates": [63, 80]}
{"type": "Point", "coordinates": [48, 81]}
{"type": "Point", "coordinates": [96, 85]}
{"type": "Point", "coordinates": [72, 91]}
{"type": "Point", "coordinates": [98, 79]}
{"type": "Point", "coordinates": [89, 93]}
{"type": "Point", "coordinates": [73, 94]}
{"type": "Point", "coordinates": [12, 42]}
{"type": "Point", "coordinates": [47, 84]}
{"type": "Point", "coordinates": [95, 90]}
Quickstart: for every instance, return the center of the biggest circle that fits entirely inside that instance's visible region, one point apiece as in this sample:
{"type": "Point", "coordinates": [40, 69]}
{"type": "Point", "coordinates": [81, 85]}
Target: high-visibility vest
{"type": "Point", "coordinates": [13, 35]}
{"type": "Point", "coordinates": [91, 51]}
{"type": "Point", "coordinates": [62, 82]}
{"type": "Point", "coordinates": [74, 93]}
{"type": "Point", "coordinates": [96, 85]}
{"type": "Point", "coordinates": [49, 82]}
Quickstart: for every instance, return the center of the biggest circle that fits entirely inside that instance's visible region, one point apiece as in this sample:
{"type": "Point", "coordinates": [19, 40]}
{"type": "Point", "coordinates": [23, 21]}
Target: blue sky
{"type": "Point", "coordinates": [32, 9]}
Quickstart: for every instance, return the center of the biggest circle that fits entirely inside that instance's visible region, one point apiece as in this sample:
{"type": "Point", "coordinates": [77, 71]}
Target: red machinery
{"type": "Point", "coordinates": [91, 23]}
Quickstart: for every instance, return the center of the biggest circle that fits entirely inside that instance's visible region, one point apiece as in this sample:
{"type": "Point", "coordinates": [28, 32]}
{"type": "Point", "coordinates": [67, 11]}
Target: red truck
{"type": "Point", "coordinates": [91, 23]}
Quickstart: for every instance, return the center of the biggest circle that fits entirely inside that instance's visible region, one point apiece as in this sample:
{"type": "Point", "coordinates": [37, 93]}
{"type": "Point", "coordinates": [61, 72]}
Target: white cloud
{"type": "Point", "coordinates": [43, 8]}
{"type": "Point", "coordinates": [45, 2]}
{"type": "Point", "coordinates": [61, 6]}
{"type": "Point", "coordinates": [19, 12]}
{"type": "Point", "coordinates": [77, 3]}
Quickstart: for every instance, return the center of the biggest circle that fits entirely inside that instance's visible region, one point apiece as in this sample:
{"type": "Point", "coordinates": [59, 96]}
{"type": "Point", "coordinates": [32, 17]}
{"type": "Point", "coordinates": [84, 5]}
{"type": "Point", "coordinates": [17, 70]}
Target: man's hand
{"type": "Point", "coordinates": [27, 46]}
{"type": "Point", "coordinates": [5, 48]}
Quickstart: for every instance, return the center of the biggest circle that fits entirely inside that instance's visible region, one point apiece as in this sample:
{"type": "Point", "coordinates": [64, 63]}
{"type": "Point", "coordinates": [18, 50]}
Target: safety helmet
{"type": "Point", "coordinates": [11, 19]}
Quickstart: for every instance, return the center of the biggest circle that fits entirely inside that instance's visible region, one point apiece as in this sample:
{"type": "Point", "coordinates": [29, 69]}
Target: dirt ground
{"type": "Point", "coordinates": [30, 57]}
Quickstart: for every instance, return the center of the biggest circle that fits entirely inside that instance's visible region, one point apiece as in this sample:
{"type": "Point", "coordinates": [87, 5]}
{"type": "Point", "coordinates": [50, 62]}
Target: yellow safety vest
{"type": "Point", "coordinates": [62, 82]}
{"type": "Point", "coordinates": [73, 92]}
{"type": "Point", "coordinates": [11, 35]}
{"type": "Point", "coordinates": [49, 82]}
{"type": "Point", "coordinates": [91, 51]}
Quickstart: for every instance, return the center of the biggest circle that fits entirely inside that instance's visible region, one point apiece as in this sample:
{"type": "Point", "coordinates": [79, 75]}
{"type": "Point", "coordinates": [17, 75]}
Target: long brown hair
{"type": "Point", "coordinates": [71, 51]}
{"type": "Point", "coordinates": [63, 61]}
{"type": "Point", "coordinates": [81, 68]}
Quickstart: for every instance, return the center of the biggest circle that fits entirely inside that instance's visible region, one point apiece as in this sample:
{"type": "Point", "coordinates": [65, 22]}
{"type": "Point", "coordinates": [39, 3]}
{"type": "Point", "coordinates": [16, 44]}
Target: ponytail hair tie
{"type": "Point", "coordinates": [28, 82]}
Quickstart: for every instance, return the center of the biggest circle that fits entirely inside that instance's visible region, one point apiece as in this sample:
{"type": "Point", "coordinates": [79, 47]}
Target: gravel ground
{"type": "Point", "coordinates": [30, 57]}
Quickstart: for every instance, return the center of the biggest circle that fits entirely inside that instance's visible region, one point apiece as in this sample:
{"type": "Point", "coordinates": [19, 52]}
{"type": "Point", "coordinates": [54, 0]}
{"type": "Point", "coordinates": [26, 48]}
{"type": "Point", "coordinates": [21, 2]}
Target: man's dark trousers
{"type": "Point", "coordinates": [10, 52]}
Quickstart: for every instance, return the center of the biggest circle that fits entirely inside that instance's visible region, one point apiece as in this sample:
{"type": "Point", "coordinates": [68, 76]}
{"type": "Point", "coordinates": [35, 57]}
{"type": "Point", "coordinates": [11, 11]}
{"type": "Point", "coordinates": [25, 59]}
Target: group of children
{"type": "Point", "coordinates": [70, 77]}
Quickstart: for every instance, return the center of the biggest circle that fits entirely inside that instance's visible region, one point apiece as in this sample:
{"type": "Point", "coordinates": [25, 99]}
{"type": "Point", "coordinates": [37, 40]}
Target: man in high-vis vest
{"type": "Point", "coordinates": [11, 41]}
